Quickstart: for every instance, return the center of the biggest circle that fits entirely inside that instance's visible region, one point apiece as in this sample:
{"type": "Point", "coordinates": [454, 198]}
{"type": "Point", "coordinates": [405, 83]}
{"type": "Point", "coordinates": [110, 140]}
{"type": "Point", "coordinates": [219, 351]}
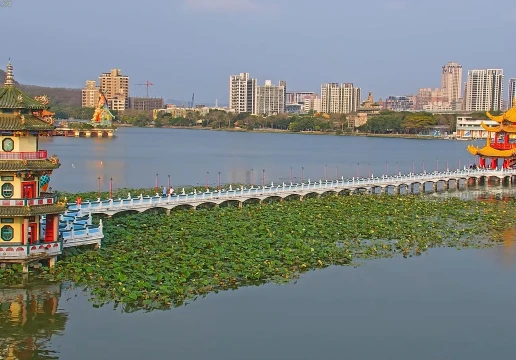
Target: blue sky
{"type": "Point", "coordinates": [390, 47]}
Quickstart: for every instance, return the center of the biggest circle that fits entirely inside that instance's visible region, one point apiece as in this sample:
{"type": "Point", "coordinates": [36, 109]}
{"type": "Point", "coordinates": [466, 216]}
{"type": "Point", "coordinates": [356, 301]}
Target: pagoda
{"type": "Point", "coordinates": [29, 216]}
{"type": "Point", "coordinates": [498, 143]}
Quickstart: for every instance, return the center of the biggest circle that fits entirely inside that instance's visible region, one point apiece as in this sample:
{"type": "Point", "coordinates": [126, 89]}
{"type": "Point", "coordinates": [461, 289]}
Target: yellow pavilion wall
{"type": "Point", "coordinates": [16, 182]}
{"type": "Point", "coordinates": [21, 144]}
{"type": "Point", "coordinates": [17, 231]}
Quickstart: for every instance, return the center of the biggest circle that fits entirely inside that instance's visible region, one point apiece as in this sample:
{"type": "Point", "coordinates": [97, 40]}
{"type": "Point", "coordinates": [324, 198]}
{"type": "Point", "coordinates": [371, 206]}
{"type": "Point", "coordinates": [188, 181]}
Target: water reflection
{"type": "Point", "coordinates": [28, 319]}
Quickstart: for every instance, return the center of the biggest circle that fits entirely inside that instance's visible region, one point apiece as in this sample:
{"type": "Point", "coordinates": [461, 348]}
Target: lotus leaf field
{"type": "Point", "coordinates": [151, 261]}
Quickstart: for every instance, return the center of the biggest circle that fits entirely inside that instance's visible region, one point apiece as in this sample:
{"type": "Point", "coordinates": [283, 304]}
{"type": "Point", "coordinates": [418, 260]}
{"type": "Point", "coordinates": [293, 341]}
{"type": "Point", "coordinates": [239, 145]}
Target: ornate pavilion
{"type": "Point", "coordinates": [498, 143]}
{"type": "Point", "coordinates": [29, 216]}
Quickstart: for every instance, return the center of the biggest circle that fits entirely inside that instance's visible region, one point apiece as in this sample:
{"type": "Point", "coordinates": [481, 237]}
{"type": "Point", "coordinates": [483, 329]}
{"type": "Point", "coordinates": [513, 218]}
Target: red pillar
{"type": "Point", "coordinates": [482, 162]}
{"type": "Point", "coordinates": [494, 163]}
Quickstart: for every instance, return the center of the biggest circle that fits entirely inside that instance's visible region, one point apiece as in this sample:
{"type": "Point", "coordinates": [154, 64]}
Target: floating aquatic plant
{"type": "Point", "coordinates": [151, 261]}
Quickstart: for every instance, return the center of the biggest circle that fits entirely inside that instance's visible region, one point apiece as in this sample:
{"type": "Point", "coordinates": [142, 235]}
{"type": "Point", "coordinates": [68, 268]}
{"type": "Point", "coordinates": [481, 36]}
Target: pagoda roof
{"type": "Point", "coordinates": [23, 122]}
{"type": "Point", "coordinates": [505, 128]}
{"type": "Point", "coordinates": [509, 115]}
{"type": "Point", "coordinates": [13, 98]}
{"type": "Point", "coordinates": [488, 151]}
{"type": "Point", "coordinates": [8, 211]}
{"type": "Point", "coordinates": [28, 165]}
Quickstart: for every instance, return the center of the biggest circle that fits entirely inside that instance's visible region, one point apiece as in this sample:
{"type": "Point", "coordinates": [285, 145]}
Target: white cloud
{"type": "Point", "coordinates": [224, 5]}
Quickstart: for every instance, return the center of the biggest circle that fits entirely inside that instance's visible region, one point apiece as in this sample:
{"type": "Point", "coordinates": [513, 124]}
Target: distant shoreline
{"type": "Point", "coordinates": [401, 136]}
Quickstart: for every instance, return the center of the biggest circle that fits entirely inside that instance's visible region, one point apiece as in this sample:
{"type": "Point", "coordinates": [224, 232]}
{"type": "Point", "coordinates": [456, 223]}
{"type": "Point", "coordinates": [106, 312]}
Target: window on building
{"type": "Point", "coordinates": [7, 190]}
{"type": "Point", "coordinates": [7, 233]}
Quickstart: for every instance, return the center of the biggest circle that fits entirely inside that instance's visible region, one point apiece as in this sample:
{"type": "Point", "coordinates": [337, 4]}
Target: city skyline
{"type": "Point", "coordinates": [389, 54]}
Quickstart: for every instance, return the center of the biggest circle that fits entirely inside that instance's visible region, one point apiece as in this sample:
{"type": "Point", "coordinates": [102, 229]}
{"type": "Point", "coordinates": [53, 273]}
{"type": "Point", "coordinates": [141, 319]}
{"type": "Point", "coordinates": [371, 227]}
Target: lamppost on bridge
{"type": "Point", "coordinates": [169, 184]}
{"type": "Point", "coordinates": [111, 188]}
{"type": "Point", "coordinates": [98, 185]}
{"type": "Point", "coordinates": [263, 178]}
{"type": "Point", "coordinates": [368, 170]}
{"type": "Point", "coordinates": [302, 174]}
{"type": "Point", "coordinates": [157, 185]}
{"type": "Point", "coordinates": [358, 170]}
{"type": "Point", "coordinates": [218, 187]}
{"type": "Point", "coordinates": [207, 180]}
{"type": "Point", "coordinates": [447, 167]}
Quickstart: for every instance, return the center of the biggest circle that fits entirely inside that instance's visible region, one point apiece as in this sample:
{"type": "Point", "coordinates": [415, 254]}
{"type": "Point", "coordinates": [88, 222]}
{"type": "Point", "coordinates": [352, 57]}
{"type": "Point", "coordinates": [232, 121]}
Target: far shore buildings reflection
{"type": "Point", "coordinates": [29, 317]}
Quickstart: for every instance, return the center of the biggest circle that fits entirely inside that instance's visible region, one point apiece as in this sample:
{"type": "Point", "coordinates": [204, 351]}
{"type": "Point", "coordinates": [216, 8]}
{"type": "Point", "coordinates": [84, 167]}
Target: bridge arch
{"type": "Point", "coordinates": [124, 213]}
{"type": "Point", "coordinates": [294, 196]}
{"type": "Point", "coordinates": [206, 205]}
{"type": "Point", "coordinates": [310, 195]}
{"type": "Point", "coordinates": [230, 202]}
{"type": "Point", "coordinates": [329, 193]}
{"type": "Point", "coordinates": [155, 210]}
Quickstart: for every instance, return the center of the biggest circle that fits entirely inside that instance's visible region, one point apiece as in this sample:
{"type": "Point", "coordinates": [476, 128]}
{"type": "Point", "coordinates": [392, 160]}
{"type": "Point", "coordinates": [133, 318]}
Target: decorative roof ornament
{"type": "Point", "coordinates": [9, 79]}
{"type": "Point", "coordinates": [43, 99]}
{"type": "Point", "coordinates": [20, 98]}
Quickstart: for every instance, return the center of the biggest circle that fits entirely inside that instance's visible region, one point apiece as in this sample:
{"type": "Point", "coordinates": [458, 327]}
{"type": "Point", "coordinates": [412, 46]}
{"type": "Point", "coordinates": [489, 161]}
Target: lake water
{"type": "Point", "coordinates": [445, 304]}
{"type": "Point", "coordinates": [136, 155]}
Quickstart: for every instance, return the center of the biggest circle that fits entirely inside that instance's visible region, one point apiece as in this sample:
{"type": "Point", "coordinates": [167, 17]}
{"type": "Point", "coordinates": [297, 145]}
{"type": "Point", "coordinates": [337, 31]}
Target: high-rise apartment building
{"type": "Point", "coordinates": [242, 93]}
{"type": "Point", "coordinates": [339, 99]}
{"type": "Point", "coordinates": [451, 81]}
{"type": "Point", "coordinates": [90, 94]}
{"type": "Point", "coordinates": [512, 92]}
{"type": "Point", "coordinates": [270, 99]}
{"type": "Point", "coordinates": [312, 104]}
{"type": "Point", "coordinates": [485, 90]}
{"type": "Point", "coordinates": [116, 88]}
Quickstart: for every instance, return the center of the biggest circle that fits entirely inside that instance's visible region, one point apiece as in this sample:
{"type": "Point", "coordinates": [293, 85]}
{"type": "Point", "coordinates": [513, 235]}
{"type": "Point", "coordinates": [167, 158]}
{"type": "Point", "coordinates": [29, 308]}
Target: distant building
{"type": "Point", "coordinates": [143, 103]}
{"type": "Point", "coordinates": [270, 99]}
{"type": "Point", "coordinates": [428, 98]}
{"type": "Point", "coordinates": [242, 93]}
{"type": "Point", "coordinates": [467, 127]}
{"type": "Point", "coordinates": [512, 92]}
{"type": "Point", "coordinates": [312, 104]}
{"type": "Point", "coordinates": [339, 99]}
{"type": "Point", "coordinates": [90, 94]}
{"type": "Point", "coordinates": [299, 97]}
{"type": "Point", "coordinates": [451, 82]}
{"type": "Point", "coordinates": [485, 90]}
{"type": "Point", "coordinates": [294, 109]}
{"type": "Point", "coordinates": [398, 103]}
{"type": "Point", "coordinates": [116, 88]}
{"type": "Point", "coordinates": [369, 106]}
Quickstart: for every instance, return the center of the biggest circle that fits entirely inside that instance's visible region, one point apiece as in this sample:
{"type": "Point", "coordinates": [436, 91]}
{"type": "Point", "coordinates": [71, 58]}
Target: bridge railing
{"type": "Point", "coordinates": [342, 184]}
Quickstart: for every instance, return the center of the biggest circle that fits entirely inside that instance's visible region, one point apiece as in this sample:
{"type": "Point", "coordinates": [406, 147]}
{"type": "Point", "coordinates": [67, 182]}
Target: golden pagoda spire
{"type": "Point", "coordinates": [9, 79]}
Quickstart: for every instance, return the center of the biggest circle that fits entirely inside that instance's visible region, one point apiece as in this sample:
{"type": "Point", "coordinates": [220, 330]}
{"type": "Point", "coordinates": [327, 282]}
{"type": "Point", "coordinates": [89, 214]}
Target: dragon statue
{"type": "Point", "coordinates": [43, 99]}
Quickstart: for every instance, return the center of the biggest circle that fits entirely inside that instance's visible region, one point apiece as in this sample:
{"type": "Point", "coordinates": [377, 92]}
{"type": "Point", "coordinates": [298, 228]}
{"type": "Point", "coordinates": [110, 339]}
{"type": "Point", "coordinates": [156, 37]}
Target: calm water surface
{"type": "Point", "coordinates": [136, 155]}
{"type": "Point", "coordinates": [446, 304]}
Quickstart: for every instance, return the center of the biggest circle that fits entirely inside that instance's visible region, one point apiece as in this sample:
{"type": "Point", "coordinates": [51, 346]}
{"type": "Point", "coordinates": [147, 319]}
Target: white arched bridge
{"type": "Point", "coordinates": [397, 184]}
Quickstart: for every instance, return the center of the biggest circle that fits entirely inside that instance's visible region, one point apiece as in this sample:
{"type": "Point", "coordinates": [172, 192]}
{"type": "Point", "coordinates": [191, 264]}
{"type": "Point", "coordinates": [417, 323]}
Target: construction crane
{"type": "Point", "coordinates": [147, 84]}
